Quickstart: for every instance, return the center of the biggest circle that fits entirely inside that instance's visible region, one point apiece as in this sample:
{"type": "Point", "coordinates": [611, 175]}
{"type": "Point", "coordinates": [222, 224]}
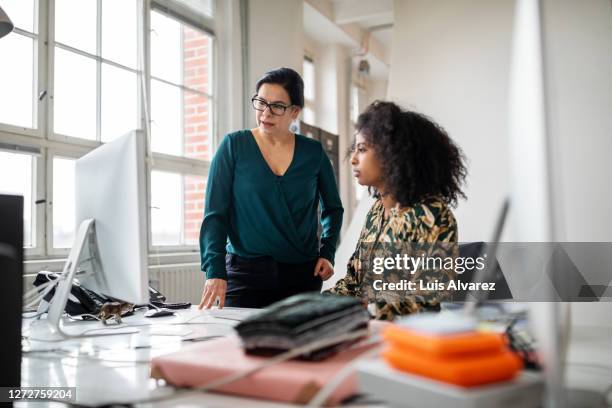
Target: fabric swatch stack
{"type": "Point", "coordinates": [301, 320]}
{"type": "Point", "coordinates": [466, 359]}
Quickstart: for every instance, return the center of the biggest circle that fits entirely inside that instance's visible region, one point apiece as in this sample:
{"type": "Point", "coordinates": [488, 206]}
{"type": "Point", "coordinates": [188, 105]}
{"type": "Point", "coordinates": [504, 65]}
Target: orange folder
{"type": "Point", "coordinates": [447, 345]}
{"type": "Point", "coordinates": [466, 372]}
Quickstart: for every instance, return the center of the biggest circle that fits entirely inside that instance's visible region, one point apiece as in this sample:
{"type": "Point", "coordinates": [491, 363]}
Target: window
{"type": "Point", "coordinates": [358, 105]}
{"type": "Point", "coordinates": [63, 202]}
{"type": "Point", "coordinates": [19, 56]}
{"type": "Point", "coordinates": [180, 88]}
{"type": "Point", "coordinates": [21, 169]}
{"type": "Point", "coordinates": [309, 91]}
{"type": "Point", "coordinates": [112, 66]}
{"type": "Point", "coordinates": [177, 208]}
{"type": "Point", "coordinates": [96, 76]}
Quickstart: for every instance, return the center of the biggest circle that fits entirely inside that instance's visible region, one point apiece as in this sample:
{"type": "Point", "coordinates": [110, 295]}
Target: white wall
{"type": "Point", "coordinates": [229, 68]}
{"type": "Point", "coordinates": [578, 50]}
{"type": "Point", "coordinates": [377, 89]}
{"type": "Point", "coordinates": [450, 60]}
{"type": "Point", "coordinates": [333, 113]}
{"type": "Point", "coordinates": [332, 110]}
{"type": "Point", "coordinates": [276, 38]}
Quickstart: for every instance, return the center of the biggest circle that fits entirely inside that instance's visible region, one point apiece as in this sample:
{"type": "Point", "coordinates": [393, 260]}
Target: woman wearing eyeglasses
{"type": "Point", "coordinates": [258, 240]}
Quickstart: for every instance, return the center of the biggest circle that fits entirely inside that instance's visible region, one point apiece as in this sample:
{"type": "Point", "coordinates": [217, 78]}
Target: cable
{"type": "Point", "coordinates": [35, 315]}
{"type": "Point", "coordinates": [129, 364]}
{"type": "Point", "coordinates": [606, 395]}
{"type": "Point", "coordinates": [74, 319]}
{"type": "Point", "coordinates": [48, 289]}
{"type": "Point", "coordinates": [126, 326]}
{"type": "Point", "coordinates": [589, 365]}
{"type": "Point", "coordinates": [324, 393]}
{"type": "Point", "coordinates": [38, 289]}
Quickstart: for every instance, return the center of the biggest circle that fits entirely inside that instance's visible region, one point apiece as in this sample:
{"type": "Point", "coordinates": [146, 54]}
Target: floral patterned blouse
{"type": "Point", "coordinates": [429, 222]}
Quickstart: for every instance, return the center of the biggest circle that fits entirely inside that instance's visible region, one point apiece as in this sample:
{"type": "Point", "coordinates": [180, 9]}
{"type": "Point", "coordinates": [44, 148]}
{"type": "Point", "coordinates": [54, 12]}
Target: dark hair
{"type": "Point", "coordinates": [290, 80]}
{"type": "Point", "coordinates": [417, 156]}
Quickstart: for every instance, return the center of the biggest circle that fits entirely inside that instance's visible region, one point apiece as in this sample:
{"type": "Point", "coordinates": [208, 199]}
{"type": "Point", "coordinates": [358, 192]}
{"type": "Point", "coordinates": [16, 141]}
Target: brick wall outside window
{"type": "Point", "coordinates": [197, 127]}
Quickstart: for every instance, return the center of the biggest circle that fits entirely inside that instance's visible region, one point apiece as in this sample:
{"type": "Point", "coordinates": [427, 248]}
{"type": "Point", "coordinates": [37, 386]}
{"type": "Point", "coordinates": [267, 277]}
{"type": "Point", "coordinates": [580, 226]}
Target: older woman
{"type": "Point", "coordinates": [259, 241]}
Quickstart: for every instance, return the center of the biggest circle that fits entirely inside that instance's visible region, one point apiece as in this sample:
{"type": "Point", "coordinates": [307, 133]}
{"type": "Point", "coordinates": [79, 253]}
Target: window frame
{"type": "Point", "coordinates": [170, 163]}
{"type": "Point", "coordinates": [310, 103]}
{"type": "Point", "coordinates": [51, 144]}
{"type": "Point", "coordinates": [39, 76]}
{"type": "Point", "coordinates": [51, 154]}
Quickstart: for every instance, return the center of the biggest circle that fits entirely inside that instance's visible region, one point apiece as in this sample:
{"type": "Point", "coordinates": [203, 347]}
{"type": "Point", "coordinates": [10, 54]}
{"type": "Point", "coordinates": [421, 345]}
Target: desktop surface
{"type": "Point", "coordinates": [117, 368]}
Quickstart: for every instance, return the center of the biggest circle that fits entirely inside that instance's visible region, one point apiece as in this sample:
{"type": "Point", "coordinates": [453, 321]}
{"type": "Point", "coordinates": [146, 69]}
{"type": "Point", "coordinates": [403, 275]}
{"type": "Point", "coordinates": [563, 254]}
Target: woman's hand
{"type": "Point", "coordinates": [213, 289]}
{"type": "Point", "coordinates": [324, 269]}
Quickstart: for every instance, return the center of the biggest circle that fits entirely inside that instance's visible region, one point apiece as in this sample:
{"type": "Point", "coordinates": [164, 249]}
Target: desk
{"type": "Point", "coordinates": [86, 363]}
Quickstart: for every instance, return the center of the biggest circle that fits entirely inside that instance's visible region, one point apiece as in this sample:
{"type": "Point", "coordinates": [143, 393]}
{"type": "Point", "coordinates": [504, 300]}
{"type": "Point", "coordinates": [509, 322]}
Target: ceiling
{"type": "Point", "coordinates": [375, 16]}
{"type": "Point", "coordinates": [339, 23]}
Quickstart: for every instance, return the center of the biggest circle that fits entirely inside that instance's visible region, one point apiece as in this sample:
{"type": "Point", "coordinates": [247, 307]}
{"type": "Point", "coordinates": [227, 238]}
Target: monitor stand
{"type": "Point", "coordinates": [85, 249]}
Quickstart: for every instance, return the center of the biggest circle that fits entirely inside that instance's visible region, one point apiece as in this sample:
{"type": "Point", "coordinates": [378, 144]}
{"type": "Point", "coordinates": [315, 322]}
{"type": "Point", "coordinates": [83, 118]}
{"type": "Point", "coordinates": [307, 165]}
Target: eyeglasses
{"type": "Point", "coordinates": [277, 109]}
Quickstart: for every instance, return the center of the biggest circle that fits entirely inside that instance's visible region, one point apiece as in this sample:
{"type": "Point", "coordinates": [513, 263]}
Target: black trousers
{"type": "Point", "coordinates": [259, 282]}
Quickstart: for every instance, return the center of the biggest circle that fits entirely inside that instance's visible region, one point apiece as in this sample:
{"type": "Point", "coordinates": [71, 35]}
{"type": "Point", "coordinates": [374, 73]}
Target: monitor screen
{"type": "Point", "coordinates": [11, 287]}
{"type": "Point", "coordinates": [111, 189]}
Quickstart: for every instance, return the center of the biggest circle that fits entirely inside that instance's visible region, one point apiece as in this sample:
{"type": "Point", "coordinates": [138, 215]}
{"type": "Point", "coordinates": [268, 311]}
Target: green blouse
{"type": "Point", "coordinates": [252, 212]}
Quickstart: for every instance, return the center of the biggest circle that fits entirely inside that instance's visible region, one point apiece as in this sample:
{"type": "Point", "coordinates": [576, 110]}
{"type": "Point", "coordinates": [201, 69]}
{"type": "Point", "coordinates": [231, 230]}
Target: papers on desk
{"type": "Point", "coordinates": [230, 313]}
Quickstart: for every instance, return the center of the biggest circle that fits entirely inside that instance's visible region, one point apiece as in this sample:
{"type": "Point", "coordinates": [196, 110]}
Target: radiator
{"type": "Point", "coordinates": [178, 282]}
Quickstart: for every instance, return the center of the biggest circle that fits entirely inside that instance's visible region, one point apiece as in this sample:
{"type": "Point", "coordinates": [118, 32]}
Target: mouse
{"type": "Point", "coordinates": [158, 313]}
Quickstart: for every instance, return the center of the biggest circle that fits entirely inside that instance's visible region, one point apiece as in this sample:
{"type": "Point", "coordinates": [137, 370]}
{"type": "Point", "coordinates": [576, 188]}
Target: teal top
{"type": "Point", "coordinates": [252, 212]}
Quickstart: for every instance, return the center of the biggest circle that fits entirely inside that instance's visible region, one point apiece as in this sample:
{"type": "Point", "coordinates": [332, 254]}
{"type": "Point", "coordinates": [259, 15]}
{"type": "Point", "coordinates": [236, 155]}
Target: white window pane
{"type": "Point", "coordinates": [75, 24]}
{"type": "Point", "coordinates": [63, 202]}
{"type": "Point", "coordinates": [195, 186]}
{"type": "Point", "coordinates": [119, 102]}
{"type": "Point", "coordinates": [309, 115]}
{"type": "Point", "coordinates": [309, 80]}
{"type": "Point", "coordinates": [119, 31]}
{"type": "Point", "coordinates": [166, 48]}
{"type": "Point", "coordinates": [181, 122]}
{"type": "Point", "coordinates": [75, 95]}
{"type": "Point", "coordinates": [21, 13]}
{"type": "Point", "coordinates": [166, 115]}
{"type": "Point", "coordinates": [17, 80]}
{"type": "Point", "coordinates": [16, 179]}
{"type": "Point", "coordinates": [166, 205]}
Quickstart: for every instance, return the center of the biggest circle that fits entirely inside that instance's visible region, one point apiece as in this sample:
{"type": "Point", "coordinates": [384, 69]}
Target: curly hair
{"type": "Point", "coordinates": [417, 156]}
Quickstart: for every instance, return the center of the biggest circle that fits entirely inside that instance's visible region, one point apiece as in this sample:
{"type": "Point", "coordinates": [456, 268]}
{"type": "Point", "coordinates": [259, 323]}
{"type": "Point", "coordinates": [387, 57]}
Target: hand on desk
{"type": "Point", "coordinates": [324, 269]}
{"type": "Point", "coordinates": [213, 289]}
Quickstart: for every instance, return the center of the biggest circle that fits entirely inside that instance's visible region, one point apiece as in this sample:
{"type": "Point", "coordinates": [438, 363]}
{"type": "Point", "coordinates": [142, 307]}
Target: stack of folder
{"type": "Point", "coordinates": [466, 359]}
{"type": "Point", "coordinates": [301, 320]}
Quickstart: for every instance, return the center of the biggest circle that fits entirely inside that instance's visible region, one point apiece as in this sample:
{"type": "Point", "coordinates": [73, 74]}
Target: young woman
{"type": "Point", "coordinates": [259, 240]}
{"type": "Point", "coordinates": [415, 171]}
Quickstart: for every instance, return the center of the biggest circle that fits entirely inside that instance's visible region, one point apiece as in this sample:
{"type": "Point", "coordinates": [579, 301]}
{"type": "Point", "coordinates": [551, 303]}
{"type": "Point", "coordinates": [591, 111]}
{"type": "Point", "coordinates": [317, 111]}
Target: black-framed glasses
{"type": "Point", "coordinates": [277, 109]}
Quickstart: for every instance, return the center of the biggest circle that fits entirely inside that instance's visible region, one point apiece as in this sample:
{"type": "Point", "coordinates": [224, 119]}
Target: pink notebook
{"type": "Point", "coordinates": [291, 381]}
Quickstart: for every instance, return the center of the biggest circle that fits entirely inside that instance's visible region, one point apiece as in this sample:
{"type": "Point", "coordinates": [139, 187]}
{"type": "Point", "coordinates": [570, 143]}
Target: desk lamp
{"type": "Point", "coordinates": [6, 26]}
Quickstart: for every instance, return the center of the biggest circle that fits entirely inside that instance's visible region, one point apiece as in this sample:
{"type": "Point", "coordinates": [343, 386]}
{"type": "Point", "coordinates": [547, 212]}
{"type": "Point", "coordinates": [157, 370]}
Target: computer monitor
{"type": "Point", "coordinates": [111, 189]}
{"type": "Point", "coordinates": [109, 254]}
{"type": "Point", "coordinates": [11, 292]}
